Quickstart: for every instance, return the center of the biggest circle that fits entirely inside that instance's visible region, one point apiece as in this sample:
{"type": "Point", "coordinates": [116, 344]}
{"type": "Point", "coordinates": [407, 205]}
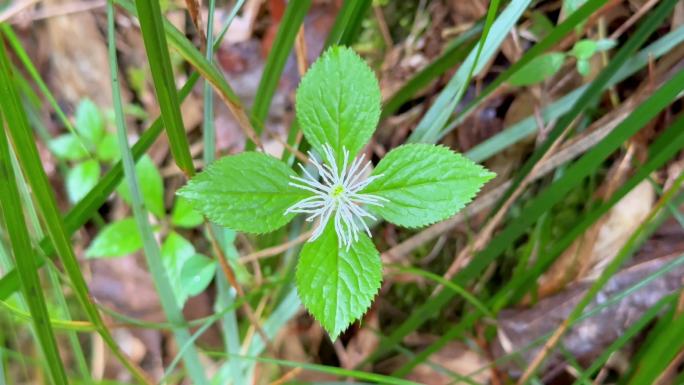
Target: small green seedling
{"type": "Point", "coordinates": [338, 107]}
{"type": "Point", "coordinates": [548, 64]}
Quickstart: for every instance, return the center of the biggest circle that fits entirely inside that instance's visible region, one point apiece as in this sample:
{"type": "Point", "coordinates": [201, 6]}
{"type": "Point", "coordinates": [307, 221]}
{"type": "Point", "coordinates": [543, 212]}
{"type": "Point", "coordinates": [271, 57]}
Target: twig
{"type": "Point", "coordinates": [384, 29]}
{"type": "Point", "coordinates": [230, 276]}
{"type": "Point", "coordinates": [633, 19]}
{"type": "Point", "coordinates": [289, 375]}
{"type": "Point", "coordinates": [301, 51]}
{"type": "Point", "coordinates": [15, 9]}
{"type": "Point", "coordinates": [298, 154]}
{"type": "Point", "coordinates": [275, 250]}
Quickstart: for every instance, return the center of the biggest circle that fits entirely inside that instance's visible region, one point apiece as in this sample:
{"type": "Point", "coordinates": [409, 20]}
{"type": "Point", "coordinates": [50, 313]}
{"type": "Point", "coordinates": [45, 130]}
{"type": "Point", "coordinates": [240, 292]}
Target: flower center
{"type": "Point", "coordinates": [337, 191]}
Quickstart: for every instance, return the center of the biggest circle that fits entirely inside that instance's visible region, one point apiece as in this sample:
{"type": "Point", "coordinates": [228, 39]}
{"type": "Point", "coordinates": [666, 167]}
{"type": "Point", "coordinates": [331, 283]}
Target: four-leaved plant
{"type": "Point", "coordinates": [338, 108]}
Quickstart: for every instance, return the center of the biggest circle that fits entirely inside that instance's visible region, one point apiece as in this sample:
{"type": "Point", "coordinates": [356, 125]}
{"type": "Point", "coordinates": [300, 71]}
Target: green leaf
{"type": "Point", "coordinates": [541, 25]}
{"type": "Point", "coordinates": [107, 149]}
{"type": "Point", "coordinates": [584, 49]}
{"type": "Point", "coordinates": [583, 67]}
{"type": "Point", "coordinates": [175, 252]}
{"type": "Point", "coordinates": [151, 186]}
{"type": "Point", "coordinates": [115, 240]}
{"type": "Point", "coordinates": [183, 214]}
{"type": "Point", "coordinates": [89, 122]}
{"type": "Point", "coordinates": [68, 147]}
{"type": "Point", "coordinates": [538, 69]}
{"type": "Point", "coordinates": [425, 184]}
{"type": "Point", "coordinates": [196, 274]}
{"type": "Point", "coordinates": [154, 39]}
{"type": "Point", "coordinates": [337, 285]}
{"type": "Point", "coordinates": [338, 102]}
{"type": "Point", "coordinates": [81, 179]}
{"type": "Point", "coordinates": [246, 192]}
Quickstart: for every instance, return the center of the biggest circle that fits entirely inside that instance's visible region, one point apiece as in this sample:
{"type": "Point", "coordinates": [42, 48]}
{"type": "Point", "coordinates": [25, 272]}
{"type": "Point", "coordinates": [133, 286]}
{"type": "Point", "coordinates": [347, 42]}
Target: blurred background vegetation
{"type": "Point", "coordinates": [567, 268]}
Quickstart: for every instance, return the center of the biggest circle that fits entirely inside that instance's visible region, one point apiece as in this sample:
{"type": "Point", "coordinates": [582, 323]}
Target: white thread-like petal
{"type": "Point", "coordinates": [336, 196]}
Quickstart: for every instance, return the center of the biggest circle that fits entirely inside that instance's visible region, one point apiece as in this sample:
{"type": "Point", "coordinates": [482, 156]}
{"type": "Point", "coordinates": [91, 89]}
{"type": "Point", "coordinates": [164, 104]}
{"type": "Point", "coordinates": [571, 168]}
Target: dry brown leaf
{"type": "Point", "coordinates": [457, 358]}
{"type": "Point", "coordinates": [78, 59]}
{"type": "Point", "coordinates": [586, 340]}
{"type": "Point", "coordinates": [600, 243]}
{"type": "Point", "coordinates": [194, 7]}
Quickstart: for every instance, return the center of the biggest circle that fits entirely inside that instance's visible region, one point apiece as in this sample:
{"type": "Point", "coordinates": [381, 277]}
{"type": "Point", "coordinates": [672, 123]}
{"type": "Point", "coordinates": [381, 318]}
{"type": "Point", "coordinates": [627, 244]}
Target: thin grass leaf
{"type": "Point", "coordinates": [347, 22]}
{"type": "Point", "coordinates": [33, 72]}
{"type": "Point", "coordinates": [152, 27]}
{"type": "Point", "coordinates": [456, 51]}
{"type": "Point", "coordinates": [626, 251]}
{"type": "Point", "coordinates": [545, 200]}
{"type": "Point", "coordinates": [529, 126]}
{"type": "Point", "coordinates": [20, 241]}
{"type": "Point", "coordinates": [58, 235]}
{"type": "Point", "coordinates": [628, 335]}
{"type": "Point", "coordinates": [552, 39]}
{"type": "Point", "coordinates": [151, 248]}
{"type": "Point", "coordinates": [86, 208]}
{"type": "Point", "coordinates": [662, 150]}
{"type": "Point", "coordinates": [665, 147]}
{"type": "Point", "coordinates": [660, 351]}
{"type": "Point", "coordinates": [207, 69]}
{"type": "Point", "coordinates": [430, 126]}
{"type": "Point", "coordinates": [573, 175]}
{"type": "Point", "coordinates": [592, 93]}
{"type": "Point", "coordinates": [275, 62]}
{"type": "Point", "coordinates": [225, 297]}
{"type": "Point", "coordinates": [471, 299]}
{"type": "Point", "coordinates": [335, 371]}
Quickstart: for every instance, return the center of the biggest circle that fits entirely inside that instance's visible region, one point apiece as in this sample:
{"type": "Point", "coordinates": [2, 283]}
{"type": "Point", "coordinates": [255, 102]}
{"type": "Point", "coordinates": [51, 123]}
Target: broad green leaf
{"type": "Point", "coordinates": [246, 192]}
{"type": "Point", "coordinates": [583, 67]}
{"type": "Point", "coordinates": [337, 285]}
{"type": "Point", "coordinates": [541, 25]}
{"type": "Point", "coordinates": [183, 214]}
{"type": "Point", "coordinates": [115, 240]}
{"type": "Point", "coordinates": [151, 186]}
{"type": "Point", "coordinates": [81, 179]}
{"type": "Point", "coordinates": [107, 149]}
{"type": "Point", "coordinates": [175, 251]}
{"type": "Point", "coordinates": [196, 274]}
{"type": "Point", "coordinates": [424, 184]}
{"type": "Point", "coordinates": [89, 121]}
{"type": "Point", "coordinates": [338, 102]}
{"type": "Point", "coordinates": [68, 147]}
{"type": "Point", "coordinates": [538, 69]}
{"type": "Point", "coordinates": [584, 49]}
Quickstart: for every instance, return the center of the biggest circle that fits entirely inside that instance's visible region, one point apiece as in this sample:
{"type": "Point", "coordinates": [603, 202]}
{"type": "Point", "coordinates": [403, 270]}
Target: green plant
{"type": "Point", "coordinates": [338, 107]}
{"type": "Point", "coordinates": [546, 65]}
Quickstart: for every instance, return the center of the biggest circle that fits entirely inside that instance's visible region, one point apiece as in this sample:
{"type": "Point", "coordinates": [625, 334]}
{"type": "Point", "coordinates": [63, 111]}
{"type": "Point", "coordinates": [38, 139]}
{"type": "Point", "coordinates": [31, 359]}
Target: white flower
{"type": "Point", "coordinates": [336, 195]}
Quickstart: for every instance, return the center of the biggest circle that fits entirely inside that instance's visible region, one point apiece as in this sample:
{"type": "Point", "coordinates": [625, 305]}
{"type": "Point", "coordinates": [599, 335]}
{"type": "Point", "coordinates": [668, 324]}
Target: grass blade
{"type": "Point", "coordinates": [33, 72]}
{"type": "Point", "coordinates": [15, 225]}
{"type": "Point", "coordinates": [347, 22]}
{"type": "Point", "coordinates": [150, 246]}
{"type": "Point", "coordinates": [433, 122]}
{"type": "Point", "coordinates": [88, 206]}
{"type": "Point", "coordinates": [455, 52]}
{"type": "Point", "coordinates": [543, 202]}
{"type": "Point", "coordinates": [594, 90]}
{"type": "Point", "coordinates": [59, 237]}
{"type": "Point", "coordinates": [529, 126]}
{"type": "Point", "coordinates": [152, 27]}
{"type": "Point", "coordinates": [553, 38]}
{"type": "Point", "coordinates": [275, 63]}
